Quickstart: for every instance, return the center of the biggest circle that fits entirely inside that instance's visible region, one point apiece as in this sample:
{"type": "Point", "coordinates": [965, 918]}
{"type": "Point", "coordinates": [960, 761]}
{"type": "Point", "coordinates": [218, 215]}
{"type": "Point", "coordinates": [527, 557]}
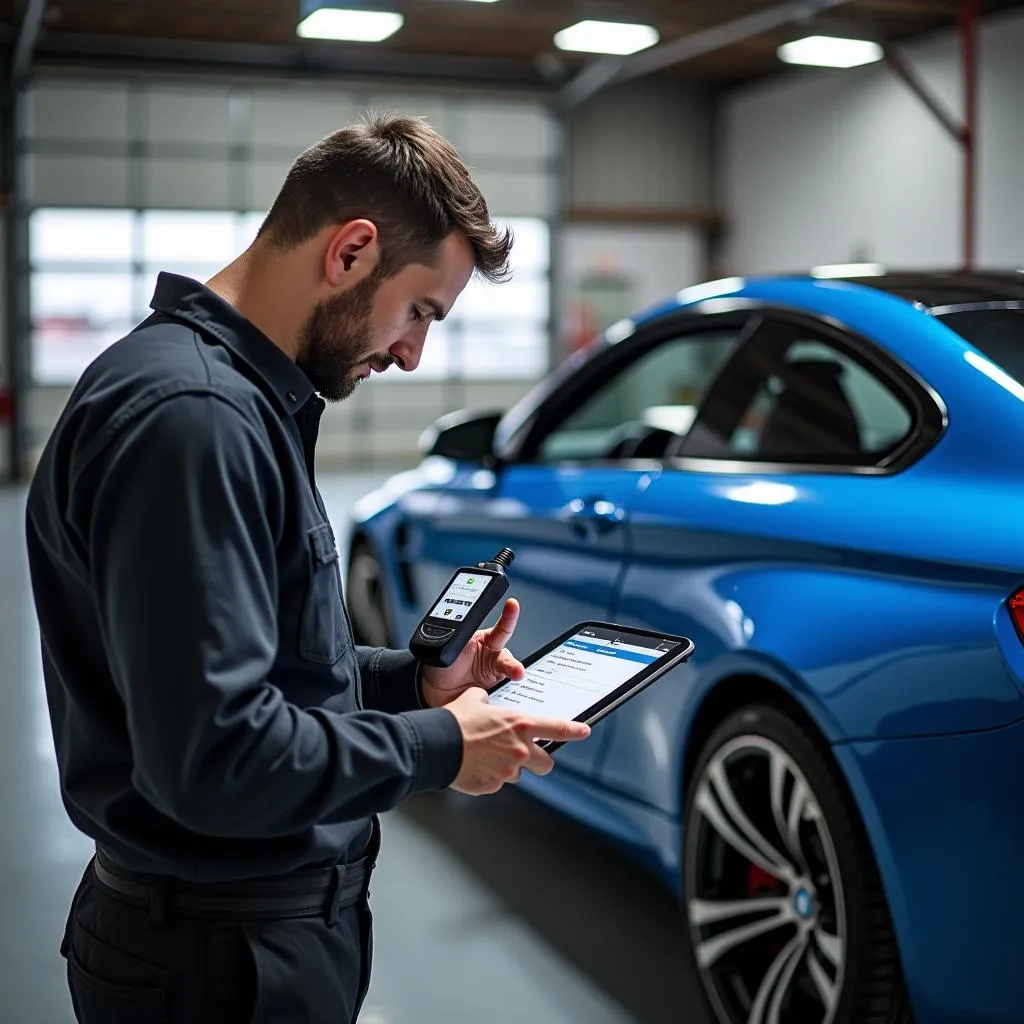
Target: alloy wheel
{"type": "Point", "coordinates": [765, 898]}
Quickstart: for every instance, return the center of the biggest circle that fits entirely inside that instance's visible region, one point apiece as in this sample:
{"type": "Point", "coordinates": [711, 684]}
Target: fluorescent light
{"type": "Point", "coordinates": [606, 37]}
{"type": "Point", "coordinates": [351, 26]}
{"type": "Point", "coordinates": [830, 52]}
{"type": "Point", "coordinates": [849, 270]}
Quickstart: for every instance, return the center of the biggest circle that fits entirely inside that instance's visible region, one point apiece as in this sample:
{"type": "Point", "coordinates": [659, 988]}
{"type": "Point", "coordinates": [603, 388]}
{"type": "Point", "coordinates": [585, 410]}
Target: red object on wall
{"type": "Point", "coordinates": [6, 406]}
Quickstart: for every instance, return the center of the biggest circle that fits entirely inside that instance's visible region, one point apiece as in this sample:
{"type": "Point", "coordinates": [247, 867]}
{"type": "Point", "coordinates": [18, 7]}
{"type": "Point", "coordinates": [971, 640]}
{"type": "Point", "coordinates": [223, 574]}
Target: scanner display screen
{"type": "Point", "coordinates": [581, 672]}
{"type": "Point", "coordinates": [465, 590]}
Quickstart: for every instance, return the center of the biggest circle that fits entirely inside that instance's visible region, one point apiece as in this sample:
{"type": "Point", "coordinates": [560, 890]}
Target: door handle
{"type": "Point", "coordinates": [592, 517]}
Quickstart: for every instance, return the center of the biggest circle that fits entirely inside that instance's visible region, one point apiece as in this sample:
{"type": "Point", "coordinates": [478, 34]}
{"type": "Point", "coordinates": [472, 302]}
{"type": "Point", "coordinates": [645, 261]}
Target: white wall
{"type": "Point", "coordinates": [637, 152]}
{"type": "Point", "coordinates": [659, 260]}
{"type": "Point", "coordinates": [642, 145]}
{"type": "Point", "coordinates": [838, 166]}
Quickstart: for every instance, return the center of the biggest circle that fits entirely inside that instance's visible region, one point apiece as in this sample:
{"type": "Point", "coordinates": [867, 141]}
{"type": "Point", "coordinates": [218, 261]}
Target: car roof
{"type": "Point", "coordinates": [929, 290]}
{"type": "Point", "coordinates": [936, 288]}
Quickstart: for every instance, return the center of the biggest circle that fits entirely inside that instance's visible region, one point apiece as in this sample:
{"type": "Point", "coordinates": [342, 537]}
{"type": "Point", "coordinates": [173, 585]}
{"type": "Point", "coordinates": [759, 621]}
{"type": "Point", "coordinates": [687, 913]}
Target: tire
{"type": "Point", "coordinates": [366, 597]}
{"type": "Point", "coordinates": [769, 822]}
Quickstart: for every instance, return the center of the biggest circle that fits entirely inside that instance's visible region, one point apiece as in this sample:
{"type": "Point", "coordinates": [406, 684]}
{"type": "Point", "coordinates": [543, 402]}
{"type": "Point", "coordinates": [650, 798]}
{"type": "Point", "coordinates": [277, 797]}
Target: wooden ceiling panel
{"type": "Point", "coordinates": [509, 30]}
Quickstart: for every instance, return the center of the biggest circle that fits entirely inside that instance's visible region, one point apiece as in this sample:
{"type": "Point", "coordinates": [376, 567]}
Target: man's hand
{"type": "Point", "coordinates": [497, 743]}
{"type": "Point", "coordinates": [482, 662]}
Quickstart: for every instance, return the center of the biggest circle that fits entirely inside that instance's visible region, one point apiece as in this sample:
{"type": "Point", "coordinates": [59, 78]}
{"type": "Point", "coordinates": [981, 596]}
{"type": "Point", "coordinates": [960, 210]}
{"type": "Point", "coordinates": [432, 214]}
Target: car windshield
{"type": "Point", "coordinates": [997, 332]}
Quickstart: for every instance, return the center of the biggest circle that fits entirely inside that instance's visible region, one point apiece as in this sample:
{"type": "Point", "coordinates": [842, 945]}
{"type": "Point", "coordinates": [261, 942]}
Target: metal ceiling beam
{"type": "Point", "coordinates": [588, 82]}
{"type": "Point", "coordinates": [898, 64]}
{"type": "Point", "coordinates": [27, 36]}
{"type": "Point", "coordinates": [301, 58]}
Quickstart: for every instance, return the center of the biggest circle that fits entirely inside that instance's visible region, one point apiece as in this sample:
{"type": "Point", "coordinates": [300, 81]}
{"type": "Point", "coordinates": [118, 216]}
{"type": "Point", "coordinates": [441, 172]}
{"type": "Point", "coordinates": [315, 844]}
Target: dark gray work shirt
{"type": "Point", "coordinates": [211, 715]}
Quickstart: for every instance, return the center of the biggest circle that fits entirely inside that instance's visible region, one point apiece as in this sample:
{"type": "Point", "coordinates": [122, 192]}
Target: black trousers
{"type": "Point", "coordinates": [124, 967]}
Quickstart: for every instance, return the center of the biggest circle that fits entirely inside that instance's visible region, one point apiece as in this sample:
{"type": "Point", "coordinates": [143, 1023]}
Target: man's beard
{"type": "Point", "coordinates": [336, 338]}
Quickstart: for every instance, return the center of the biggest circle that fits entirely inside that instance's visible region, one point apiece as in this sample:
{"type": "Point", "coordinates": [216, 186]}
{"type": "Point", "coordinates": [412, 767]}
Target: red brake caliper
{"type": "Point", "coordinates": [759, 881]}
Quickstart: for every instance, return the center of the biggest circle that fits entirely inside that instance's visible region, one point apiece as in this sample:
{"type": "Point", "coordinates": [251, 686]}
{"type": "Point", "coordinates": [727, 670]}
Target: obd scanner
{"type": "Point", "coordinates": [456, 615]}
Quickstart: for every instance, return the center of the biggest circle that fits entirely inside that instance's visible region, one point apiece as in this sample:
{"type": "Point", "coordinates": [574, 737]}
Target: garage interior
{"type": "Point", "coordinates": [140, 136]}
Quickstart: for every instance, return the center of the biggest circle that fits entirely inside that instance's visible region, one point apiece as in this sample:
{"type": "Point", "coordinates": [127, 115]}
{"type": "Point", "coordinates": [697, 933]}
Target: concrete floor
{"type": "Point", "coordinates": [491, 910]}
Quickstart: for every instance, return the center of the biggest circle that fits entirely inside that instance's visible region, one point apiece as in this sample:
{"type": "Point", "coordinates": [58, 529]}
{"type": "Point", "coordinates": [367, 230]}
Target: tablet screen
{"type": "Point", "coordinates": [581, 672]}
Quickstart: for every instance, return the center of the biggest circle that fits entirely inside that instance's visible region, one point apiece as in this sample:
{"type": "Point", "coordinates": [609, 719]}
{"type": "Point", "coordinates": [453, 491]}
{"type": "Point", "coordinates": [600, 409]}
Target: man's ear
{"type": "Point", "coordinates": [353, 252]}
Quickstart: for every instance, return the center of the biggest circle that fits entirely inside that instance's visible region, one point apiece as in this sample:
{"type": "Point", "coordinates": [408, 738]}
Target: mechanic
{"type": "Point", "coordinates": [217, 732]}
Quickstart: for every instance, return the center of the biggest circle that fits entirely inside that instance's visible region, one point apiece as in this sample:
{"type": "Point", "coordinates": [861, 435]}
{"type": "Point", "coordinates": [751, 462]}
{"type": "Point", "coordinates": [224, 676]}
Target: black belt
{"type": "Point", "coordinates": [301, 894]}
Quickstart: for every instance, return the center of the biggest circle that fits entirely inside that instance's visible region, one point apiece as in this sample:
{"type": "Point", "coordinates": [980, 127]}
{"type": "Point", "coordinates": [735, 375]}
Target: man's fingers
{"type": "Point", "coordinates": [501, 632]}
{"type": "Point", "coordinates": [508, 665]}
{"type": "Point", "coordinates": [540, 762]}
{"type": "Point", "coordinates": [553, 729]}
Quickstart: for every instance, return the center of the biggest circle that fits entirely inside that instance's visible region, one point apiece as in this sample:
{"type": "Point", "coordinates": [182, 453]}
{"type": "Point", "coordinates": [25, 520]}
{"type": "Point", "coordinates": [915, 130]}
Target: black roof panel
{"type": "Point", "coordinates": [932, 288]}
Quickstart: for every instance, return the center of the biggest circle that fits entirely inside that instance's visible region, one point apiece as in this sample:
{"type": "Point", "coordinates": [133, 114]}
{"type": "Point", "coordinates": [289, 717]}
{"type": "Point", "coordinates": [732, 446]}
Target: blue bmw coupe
{"type": "Point", "coordinates": [817, 480]}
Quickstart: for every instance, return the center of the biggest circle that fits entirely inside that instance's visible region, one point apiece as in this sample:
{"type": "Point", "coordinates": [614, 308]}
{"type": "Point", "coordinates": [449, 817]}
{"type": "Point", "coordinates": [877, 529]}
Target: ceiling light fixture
{"type": "Point", "coordinates": [837, 270]}
{"type": "Point", "coordinates": [350, 25]}
{"type": "Point", "coordinates": [830, 52]}
{"type": "Point", "coordinates": [615, 37]}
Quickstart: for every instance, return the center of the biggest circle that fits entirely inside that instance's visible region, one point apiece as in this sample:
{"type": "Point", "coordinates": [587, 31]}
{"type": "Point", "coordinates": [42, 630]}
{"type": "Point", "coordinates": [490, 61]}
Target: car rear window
{"type": "Point", "coordinates": [997, 333]}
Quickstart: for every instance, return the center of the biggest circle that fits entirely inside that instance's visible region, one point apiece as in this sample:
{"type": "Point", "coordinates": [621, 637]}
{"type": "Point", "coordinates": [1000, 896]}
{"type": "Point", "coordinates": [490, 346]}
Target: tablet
{"type": "Point", "coordinates": [589, 671]}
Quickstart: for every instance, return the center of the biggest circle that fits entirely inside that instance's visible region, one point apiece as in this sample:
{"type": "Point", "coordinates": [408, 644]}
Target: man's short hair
{"type": "Point", "coordinates": [398, 172]}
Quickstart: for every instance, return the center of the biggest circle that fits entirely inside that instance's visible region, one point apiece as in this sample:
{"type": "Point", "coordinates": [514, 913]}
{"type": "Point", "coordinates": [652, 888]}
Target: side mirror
{"type": "Point", "coordinates": [464, 436]}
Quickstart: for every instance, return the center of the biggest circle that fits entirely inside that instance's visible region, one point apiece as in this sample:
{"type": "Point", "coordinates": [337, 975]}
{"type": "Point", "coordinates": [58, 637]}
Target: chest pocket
{"type": "Point", "coordinates": [323, 634]}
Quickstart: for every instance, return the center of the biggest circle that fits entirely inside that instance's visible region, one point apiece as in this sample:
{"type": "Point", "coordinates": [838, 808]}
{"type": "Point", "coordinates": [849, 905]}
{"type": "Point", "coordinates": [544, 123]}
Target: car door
{"type": "Point", "coordinates": [563, 503]}
{"type": "Point", "coordinates": [799, 412]}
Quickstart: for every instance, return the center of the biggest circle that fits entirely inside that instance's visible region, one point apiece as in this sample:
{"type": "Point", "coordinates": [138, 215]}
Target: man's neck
{"type": "Point", "coordinates": [256, 285]}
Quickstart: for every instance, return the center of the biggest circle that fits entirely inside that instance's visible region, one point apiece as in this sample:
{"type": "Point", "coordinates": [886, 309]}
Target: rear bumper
{"type": "Point", "coordinates": [945, 816]}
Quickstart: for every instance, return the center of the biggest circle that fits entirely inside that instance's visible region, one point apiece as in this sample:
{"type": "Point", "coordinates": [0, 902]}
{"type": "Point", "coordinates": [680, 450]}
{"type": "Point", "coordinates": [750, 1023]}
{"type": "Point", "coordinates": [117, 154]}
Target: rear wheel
{"type": "Point", "coordinates": [366, 597]}
{"type": "Point", "coordinates": [787, 918]}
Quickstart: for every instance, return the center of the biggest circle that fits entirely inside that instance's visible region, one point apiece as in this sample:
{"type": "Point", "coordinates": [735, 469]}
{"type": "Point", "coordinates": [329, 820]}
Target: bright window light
{"type": "Point", "coordinates": [606, 37]}
{"type": "Point", "coordinates": [830, 52]}
{"type": "Point", "coordinates": [350, 26]}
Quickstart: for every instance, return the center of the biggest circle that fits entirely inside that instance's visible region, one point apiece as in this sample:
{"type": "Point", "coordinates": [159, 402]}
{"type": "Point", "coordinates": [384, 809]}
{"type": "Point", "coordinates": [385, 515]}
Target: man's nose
{"type": "Point", "coordinates": [407, 351]}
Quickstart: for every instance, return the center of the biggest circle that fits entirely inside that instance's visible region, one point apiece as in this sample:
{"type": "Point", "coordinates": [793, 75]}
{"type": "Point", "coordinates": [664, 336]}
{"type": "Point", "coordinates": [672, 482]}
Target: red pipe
{"type": "Point", "coordinates": [969, 42]}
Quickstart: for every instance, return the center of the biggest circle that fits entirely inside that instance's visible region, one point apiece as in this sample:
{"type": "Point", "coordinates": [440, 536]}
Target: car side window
{"type": "Point", "coordinates": [801, 399]}
{"type": "Point", "coordinates": [645, 408]}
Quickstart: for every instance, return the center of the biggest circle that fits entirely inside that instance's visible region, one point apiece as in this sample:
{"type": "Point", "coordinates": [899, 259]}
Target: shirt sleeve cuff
{"type": "Point", "coordinates": [439, 741]}
{"type": "Point", "coordinates": [390, 681]}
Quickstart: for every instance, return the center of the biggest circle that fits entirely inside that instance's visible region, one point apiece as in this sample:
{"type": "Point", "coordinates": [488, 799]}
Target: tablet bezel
{"type": "Point", "coordinates": [632, 686]}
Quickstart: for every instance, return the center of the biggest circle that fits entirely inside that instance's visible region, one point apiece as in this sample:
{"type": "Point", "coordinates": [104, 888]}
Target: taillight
{"type": "Point", "coordinates": [1017, 612]}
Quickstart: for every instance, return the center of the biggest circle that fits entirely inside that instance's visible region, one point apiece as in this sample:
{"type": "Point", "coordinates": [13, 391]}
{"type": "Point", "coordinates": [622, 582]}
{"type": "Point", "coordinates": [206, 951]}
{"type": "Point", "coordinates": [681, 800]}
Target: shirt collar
{"type": "Point", "coordinates": [196, 304]}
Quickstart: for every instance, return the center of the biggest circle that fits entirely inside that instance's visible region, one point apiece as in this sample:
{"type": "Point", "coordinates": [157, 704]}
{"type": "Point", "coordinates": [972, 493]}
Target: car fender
{"type": "Point", "coordinates": [875, 656]}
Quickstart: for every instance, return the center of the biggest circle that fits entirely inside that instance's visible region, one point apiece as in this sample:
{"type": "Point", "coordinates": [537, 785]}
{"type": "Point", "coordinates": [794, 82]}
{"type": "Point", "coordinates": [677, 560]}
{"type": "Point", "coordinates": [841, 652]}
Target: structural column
{"type": "Point", "coordinates": [14, 391]}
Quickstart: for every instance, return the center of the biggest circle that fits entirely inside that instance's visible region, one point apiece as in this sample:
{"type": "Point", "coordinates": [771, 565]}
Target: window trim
{"type": "Point", "coordinates": [929, 412]}
{"type": "Point", "coordinates": [975, 307]}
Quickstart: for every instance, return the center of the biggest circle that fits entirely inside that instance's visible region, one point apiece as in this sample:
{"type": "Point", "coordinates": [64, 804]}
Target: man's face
{"type": "Point", "coordinates": [376, 323]}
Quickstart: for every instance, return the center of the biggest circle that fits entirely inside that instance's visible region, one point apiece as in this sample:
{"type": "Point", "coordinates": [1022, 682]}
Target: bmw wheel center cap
{"type": "Point", "coordinates": [803, 903]}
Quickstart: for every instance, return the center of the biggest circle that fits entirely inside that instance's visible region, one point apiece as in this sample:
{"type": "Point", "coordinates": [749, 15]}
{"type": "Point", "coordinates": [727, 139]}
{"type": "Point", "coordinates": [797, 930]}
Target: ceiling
{"type": "Point", "coordinates": [509, 38]}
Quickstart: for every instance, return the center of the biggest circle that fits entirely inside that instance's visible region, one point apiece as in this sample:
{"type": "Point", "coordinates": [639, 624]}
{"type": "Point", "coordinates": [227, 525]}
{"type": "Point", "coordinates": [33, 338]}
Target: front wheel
{"type": "Point", "coordinates": [366, 597]}
{"type": "Point", "coordinates": [787, 919]}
